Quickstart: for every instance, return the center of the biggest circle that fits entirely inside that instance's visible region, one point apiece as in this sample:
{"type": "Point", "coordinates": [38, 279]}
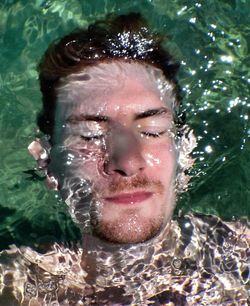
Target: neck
{"type": "Point", "coordinates": [120, 261]}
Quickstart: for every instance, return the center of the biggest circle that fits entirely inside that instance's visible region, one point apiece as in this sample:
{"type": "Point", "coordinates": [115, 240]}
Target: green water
{"type": "Point", "coordinates": [210, 38]}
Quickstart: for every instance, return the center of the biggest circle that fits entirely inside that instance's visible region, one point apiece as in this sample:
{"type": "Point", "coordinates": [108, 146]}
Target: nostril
{"type": "Point", "coordinates": [124, 154]}
{"type": "Point", "coordinates": [124, 166]}
{"type": "Point", "coordinates": [122, 173]}
{"type": "Point", "coordinates": [110, 167]}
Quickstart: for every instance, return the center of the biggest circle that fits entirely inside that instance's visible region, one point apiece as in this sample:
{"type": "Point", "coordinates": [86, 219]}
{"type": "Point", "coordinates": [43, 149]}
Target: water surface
{"type": "Point", "coordinates": [210, 39]}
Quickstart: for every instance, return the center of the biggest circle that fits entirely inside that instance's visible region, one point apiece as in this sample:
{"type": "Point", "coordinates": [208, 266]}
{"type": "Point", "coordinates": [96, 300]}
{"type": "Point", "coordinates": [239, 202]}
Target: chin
{"type": "Point", "coordinates": [128, 230]}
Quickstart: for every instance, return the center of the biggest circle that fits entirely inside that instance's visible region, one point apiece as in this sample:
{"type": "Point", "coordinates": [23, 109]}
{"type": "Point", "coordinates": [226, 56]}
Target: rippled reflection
{"type": "Point", "coordinates": [203, 256]}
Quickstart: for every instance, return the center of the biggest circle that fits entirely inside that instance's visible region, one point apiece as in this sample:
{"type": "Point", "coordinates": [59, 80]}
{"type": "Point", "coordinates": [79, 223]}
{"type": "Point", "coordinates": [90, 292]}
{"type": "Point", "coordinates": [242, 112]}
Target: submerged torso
{"type": "Point", "coordinates": [201, 261]}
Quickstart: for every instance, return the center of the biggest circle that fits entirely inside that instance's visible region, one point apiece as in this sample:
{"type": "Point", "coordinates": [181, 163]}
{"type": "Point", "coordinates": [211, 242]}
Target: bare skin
{"type": "Point", "coordinates": [122, 142]}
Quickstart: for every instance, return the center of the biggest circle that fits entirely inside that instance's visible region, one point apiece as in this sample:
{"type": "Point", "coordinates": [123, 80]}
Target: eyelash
{"type": "Point", "coordinates": [99, 137]}
{"type": "Point", "coordinates": [153, 135]}
{"type": "Point", "coordinates": [90, 138]}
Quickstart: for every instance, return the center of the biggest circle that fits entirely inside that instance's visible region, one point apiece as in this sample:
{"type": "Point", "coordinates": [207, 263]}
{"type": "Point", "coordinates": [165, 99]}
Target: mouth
{"type": "Point", "coordinates": [129, 198]}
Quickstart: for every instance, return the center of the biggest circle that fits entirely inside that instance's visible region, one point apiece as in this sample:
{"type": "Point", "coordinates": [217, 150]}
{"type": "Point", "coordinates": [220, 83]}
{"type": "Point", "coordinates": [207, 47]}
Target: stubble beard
{"type": "Point", "coordinates": [131, 226]}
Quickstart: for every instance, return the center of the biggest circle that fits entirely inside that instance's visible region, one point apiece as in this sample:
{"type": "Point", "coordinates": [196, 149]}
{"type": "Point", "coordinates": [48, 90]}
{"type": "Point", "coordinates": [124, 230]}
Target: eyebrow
{"type": "Point", "coordinates": [74, 119]}
{"type": "Point", "coordinates": [152, 112]}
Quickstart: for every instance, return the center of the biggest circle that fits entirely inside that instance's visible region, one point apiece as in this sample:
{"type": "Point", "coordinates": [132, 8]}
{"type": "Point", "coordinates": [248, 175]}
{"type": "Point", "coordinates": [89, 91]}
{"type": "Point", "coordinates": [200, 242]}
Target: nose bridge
{"type": "Point", "coordinates": [124, 152]}
{"type": "Point", "coordinates": [124, 142]}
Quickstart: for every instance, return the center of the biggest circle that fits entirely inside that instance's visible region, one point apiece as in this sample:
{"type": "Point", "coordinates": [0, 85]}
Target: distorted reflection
{"type": "Point", "coordinates": [118, 152]}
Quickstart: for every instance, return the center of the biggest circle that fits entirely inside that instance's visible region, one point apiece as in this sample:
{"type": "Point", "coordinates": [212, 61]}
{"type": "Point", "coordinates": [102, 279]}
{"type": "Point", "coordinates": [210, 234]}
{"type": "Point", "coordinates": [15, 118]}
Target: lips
{"type": "Point", "coordinates": [129, 198]}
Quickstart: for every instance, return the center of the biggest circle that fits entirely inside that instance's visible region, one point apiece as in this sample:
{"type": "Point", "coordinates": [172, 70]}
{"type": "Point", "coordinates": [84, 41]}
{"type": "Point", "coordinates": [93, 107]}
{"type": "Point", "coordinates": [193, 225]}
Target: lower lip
{"type": "Point", "coordinates": [130, 198]}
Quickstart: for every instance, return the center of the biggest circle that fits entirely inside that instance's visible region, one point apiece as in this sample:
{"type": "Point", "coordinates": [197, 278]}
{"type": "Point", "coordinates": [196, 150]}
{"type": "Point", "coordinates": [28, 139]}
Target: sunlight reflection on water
{"type": "Point", "coordinates": [210, 41]}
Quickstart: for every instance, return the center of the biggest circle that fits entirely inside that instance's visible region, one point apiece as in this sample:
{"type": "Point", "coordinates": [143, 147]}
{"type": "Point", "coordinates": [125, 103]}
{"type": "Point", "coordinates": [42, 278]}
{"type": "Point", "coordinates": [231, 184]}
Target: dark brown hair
{"type": "Point", "coordinates": [125, 37]}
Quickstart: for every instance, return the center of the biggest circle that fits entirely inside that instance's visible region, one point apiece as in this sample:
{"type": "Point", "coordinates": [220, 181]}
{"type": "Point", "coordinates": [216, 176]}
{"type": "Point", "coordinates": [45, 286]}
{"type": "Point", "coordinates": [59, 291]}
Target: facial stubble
{"type": "Point", "coordinates": [130, 226]}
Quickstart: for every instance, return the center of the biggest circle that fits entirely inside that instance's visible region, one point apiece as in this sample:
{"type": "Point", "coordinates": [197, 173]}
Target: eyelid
{"type": "Point", "coordinates": [159, 120]}
{"type": "Point", "coordinates": [155, 125]}
{"type": "Point", "coordinates": [158, 132]}
{"type": "Point", "coordinates": [86, 128]}
{"type": "Point", "coordinates": [91, 138]}
{"type": "Point", "coordinates": [93, 125]}
{"type": "Point", "coordinates": [154, 135]}
{"type": "Point", "coordinates": [92, 134]}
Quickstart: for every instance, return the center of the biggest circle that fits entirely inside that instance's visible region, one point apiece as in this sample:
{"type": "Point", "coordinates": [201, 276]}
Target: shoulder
{"type": "Point", "coordinates": [27, 274]}
{"type": "Point", "coordinates": [215, 229]}
{"type": "Point", "coordinates": [220, 247]}
{"type": "Point", "coordinates": [221, 254]}
{"type": "Point", "coordinates": [13, 273]}
{"type": "Point", "coordinates": [12, 261]}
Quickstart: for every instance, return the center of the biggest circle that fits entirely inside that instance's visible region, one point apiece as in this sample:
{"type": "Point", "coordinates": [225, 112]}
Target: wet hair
{"type": "Point", "coordinates": [124, 37]}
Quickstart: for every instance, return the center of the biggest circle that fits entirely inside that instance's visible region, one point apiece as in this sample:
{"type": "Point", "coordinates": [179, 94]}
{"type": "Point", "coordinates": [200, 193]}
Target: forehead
{"type": "Point", "coordinates": [114, 86]}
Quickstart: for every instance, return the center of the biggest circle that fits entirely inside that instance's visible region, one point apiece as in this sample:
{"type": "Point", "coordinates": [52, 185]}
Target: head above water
{"type": "Point", "coordinates": [110, 107]}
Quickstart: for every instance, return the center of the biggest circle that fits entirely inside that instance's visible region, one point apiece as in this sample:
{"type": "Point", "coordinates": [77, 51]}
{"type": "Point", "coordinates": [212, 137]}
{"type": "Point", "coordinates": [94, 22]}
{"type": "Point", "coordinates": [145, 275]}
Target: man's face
{"type": "Point", "coordinates": [116, 125]}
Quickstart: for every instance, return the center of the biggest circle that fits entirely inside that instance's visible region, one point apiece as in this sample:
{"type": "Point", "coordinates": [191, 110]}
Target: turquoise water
{"type": "Point", "coordinates": [209, 38]}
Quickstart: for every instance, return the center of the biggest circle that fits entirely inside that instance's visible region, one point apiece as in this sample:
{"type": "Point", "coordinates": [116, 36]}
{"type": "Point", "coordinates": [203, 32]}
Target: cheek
{"type": "Point", "coordinates": [79, 162]}
{"type": "Point", "coordinates": [88, 168]}
{"type": "Point", "coordinates": [161, 161]}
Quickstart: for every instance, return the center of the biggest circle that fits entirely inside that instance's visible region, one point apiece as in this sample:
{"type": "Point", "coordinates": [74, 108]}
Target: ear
{"type": "Point", "coordinates": [185, 160]}
{"type": "Point", "coordinates": [36, 150]}
{"type": "Point", "coordinates": [40, 152]}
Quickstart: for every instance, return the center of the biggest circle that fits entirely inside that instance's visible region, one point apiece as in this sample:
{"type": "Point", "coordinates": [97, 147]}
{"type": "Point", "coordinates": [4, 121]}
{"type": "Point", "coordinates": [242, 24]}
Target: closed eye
{"type": "Point", "coordinates": [91, 138]}
{"type": "Point", "coordinates": [153, 135]}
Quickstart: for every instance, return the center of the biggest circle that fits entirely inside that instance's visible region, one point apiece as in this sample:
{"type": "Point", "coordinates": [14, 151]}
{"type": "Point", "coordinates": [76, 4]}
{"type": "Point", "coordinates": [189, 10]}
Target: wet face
{"type": "Point", "coordinates": [114, 131]}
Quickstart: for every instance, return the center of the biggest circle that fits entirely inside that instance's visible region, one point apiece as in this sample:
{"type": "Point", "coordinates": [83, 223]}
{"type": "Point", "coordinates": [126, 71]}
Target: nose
{"type": "Point", "coordinates": [124, 154]}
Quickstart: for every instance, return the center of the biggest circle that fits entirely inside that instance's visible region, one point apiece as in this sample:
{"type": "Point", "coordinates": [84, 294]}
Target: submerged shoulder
{"type": "Point", "coordinates": [13, 273]}
{"type": "Point", "coordinates": [221, 254]}
{"type": "Point", "coordinates": [218, 246]}
{"type": "Point", "coordinates": [12, 263]}
{"type": "Point", "coordinates": [27, 274]}
{"type": "Point", "coordinates": [213, 228]}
